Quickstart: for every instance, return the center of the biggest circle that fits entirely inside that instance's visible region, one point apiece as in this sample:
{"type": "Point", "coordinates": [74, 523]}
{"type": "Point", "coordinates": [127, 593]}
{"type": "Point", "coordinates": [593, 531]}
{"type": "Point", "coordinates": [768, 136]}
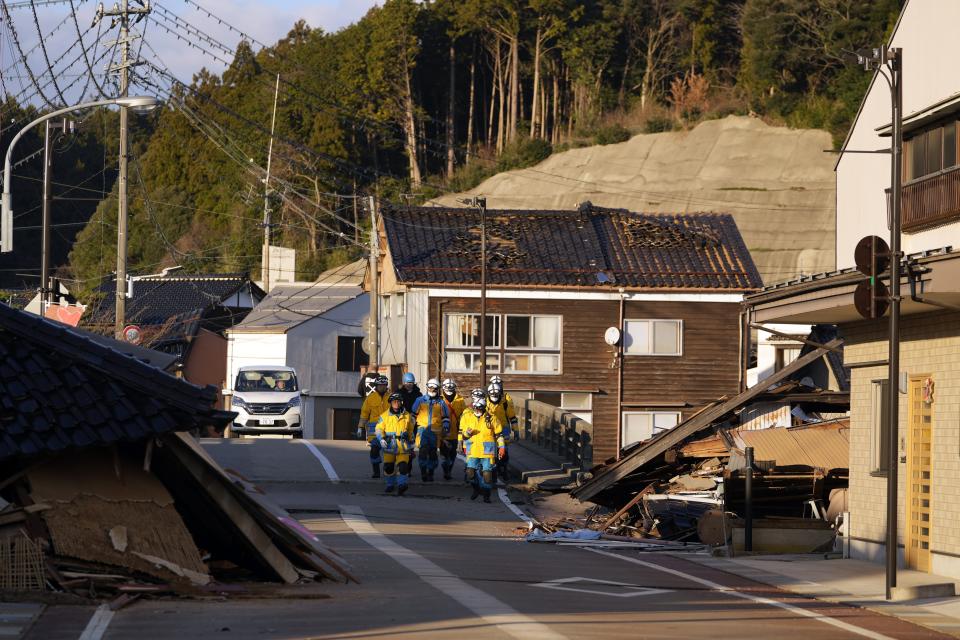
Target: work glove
{"type": "Point", "coordinates": [383, 444]}
{"type": "Point", "coordinates": [360, 434]}
{"type": "Point", "coordinates": [502, 452]}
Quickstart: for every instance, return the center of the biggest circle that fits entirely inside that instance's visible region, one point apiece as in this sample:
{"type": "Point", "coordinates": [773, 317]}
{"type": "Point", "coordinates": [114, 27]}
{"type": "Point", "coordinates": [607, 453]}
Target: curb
{"type": "Point", "coordinates": [896, 608]}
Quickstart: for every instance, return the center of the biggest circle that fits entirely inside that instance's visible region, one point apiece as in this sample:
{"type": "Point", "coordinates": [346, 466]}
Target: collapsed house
{"type": "Point", "coordinates": [679, 484]}
{"type": "Point", "coordinates": [103, 490]}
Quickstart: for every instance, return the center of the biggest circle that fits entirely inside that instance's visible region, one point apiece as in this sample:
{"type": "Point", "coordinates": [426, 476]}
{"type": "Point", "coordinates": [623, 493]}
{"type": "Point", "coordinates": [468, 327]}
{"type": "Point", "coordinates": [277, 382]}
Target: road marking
{"type": "Point", "coordinates": [484, 605]}
{"type": "Point", "coordinates": [331, 473]}
{"type": "Point", "coordinates": [630, 590]}
{"type": "Point", "coordinates": [98, 623]}
{"type": "Point", "coordinates": [746, 596]}
{"type": "Point", "coordinates": [505, 499]}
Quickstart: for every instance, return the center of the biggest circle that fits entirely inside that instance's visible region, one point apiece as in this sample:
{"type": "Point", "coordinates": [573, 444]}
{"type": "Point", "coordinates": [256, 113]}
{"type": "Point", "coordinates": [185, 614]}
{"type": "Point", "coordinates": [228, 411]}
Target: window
{"type": "Point", "coordinates": [643, 425]}
{"type": "Point", "coordinates": [515, 343]}
{"type": "Point", "coordinates": [784, 355]}
{"type": "Point", "coordinates": [931, 151]}
{"type": "Point", "coordinates": [579, 404]}
{"type": "Point", "coordinates": [400, 304]}
{"type": "Point", "coordinates": [880, 425]}
{"type": "Point", "coordinates": [385, 306]}
{"type": "Point", "coordinates": [653, 337]}
{"type": "Point", "coordinates": [350, 355]}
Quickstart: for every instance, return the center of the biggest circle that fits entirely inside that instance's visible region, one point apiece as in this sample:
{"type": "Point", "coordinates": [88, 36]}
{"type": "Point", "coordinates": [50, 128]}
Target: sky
{"type": "Point", "coordinates": [264, 20]}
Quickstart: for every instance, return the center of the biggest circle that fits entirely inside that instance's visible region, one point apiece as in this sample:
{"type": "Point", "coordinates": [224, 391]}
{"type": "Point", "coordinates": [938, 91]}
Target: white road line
{"type": "Point", "coordinates": [505, 499]}
{"type": "Point", "coordinates": [866, 633]}
{"type": "Point", "coordinates": [331, 473]}
{"type": "Point", "coordinates": [98, 623]}
{"type": "Point", "coordinates": [484, 605]}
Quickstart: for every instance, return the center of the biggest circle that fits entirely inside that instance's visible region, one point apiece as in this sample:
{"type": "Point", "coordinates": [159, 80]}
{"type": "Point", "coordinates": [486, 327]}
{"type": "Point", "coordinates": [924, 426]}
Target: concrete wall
{"type": "Point", "coordinates": [311, 347]}
{"type": "Point", "coordinates": [926, 33]}
{"type": "Point", "coordinates": [930, 346]}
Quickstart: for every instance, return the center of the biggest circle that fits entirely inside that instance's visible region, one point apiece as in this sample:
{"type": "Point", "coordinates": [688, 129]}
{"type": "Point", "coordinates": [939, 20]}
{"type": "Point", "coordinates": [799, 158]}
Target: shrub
{"type": "Point", "coordinates": [658, 124]}
{"type": "Point", "coordinates": [611, 134]}
{"type": "Point", "coordinates": [524, 153]}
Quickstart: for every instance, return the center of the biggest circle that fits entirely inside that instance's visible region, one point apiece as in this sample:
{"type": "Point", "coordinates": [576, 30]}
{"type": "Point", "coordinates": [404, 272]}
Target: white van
{"type": "Point", "coordinates": [267, 401]}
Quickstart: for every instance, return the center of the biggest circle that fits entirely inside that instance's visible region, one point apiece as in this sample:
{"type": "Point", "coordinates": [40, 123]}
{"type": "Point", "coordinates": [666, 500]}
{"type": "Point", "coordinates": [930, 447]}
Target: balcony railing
{"type": "Point", "coordinates": [932, 201]}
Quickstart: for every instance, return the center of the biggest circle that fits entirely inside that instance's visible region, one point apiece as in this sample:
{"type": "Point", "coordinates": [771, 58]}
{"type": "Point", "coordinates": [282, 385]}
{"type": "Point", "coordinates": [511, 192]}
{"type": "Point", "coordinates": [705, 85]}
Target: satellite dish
{"type": "Point", "coordinates": [612, 336]}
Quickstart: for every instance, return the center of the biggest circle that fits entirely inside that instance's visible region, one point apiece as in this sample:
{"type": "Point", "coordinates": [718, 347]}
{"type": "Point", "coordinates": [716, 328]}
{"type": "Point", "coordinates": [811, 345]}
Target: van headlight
{"type": "Point", "coordinates": [294, 402]}
{"type": "Point", "coordinates": [238, 403]}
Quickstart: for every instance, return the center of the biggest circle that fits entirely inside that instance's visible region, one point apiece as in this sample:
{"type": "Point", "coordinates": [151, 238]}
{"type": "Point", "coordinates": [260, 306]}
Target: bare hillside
{"type": "Point", "coordinates": [777, 182]}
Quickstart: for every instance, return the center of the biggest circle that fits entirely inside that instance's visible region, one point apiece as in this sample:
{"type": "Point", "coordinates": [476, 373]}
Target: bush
{"type": "Point", "coordinates": [658, 124]}
{"type": "Point", "coordinates": [611, 134]}
{"type": "Point", "coordinates": [524, 153]}
{"type": "Point", "coordinates": [466, 177]}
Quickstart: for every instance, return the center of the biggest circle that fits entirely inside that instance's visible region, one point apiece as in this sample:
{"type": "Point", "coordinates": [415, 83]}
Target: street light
{"type": "Point", "coordinates": [140, 104]}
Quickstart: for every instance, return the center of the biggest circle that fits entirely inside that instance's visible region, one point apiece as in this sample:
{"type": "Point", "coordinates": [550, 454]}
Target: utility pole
{"type": "Point", "coordinates": [265, 276]}
{"type": "Point", "coordinates": [47, 294]}
{"type": "Point", "coordinates": [481, 203]}
{"type": "Point", "coordinates": [374, 289]}
{"type": "Point", "coordinates": [122, 14]}
{"type": "Point", "coordinates": [895, 64]}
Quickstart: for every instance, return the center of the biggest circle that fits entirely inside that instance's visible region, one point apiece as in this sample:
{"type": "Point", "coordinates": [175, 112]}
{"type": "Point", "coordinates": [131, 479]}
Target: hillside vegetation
{"type": "Point", "coordinates": [422, 98]}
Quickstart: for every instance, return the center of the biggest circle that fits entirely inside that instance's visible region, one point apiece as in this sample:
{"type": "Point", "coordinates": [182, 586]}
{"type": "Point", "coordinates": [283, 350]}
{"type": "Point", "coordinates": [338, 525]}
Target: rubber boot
{"type": "Point", "coordinates": [446, 474]}
{"type": "Point", "coordinates": [376, 469]}
{"type": "Point", "coordinates": [486, 496]}
{"type": "Point", "coordinates": [402, 489]}
{"type": "Point", "coordinates": [476, 492]}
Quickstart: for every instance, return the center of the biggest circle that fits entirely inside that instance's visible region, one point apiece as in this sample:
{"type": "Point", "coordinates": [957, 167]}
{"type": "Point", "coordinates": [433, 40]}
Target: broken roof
{"type": "Point", "coordinates": [290, 305]}
{"type": "Point", "coordinates": [60, 390]}
{"type": "Point", "coordinates": [588, 247]}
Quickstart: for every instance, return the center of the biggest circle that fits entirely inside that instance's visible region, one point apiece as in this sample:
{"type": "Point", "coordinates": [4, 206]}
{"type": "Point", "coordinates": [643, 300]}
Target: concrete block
{"type": "Point", "coordinates": [916, 592]}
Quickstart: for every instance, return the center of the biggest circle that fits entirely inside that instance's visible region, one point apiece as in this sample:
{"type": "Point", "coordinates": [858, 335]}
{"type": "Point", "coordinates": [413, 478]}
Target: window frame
{"type": "Point", "coordinates": [650, 322]}
{"type": "Point", "coordinates": [921, 139]}
{"type": "Point", "coordinates": [385, 303]}
{"type": "Point", "coordinates": [879, 426]}
{"type": "Point", "coordinates": [500, 350]}
{"type": "Point", "coordinates": [653, 414]}
{"type": "Point", "coordinates": [400, 300]}
{"type": "Point", "coordinates": [358, 355]}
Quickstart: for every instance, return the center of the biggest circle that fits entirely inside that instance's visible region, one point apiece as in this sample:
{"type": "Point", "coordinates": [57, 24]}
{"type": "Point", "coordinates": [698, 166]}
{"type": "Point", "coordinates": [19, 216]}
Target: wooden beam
{"type": "Point", "coordinates": [815, 345]}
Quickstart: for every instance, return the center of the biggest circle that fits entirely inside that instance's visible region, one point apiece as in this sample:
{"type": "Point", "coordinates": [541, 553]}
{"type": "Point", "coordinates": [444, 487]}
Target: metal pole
{"type": "Point", "coordinates": [748, 501]}
{"type": "Point", "coordinates": [374, 289]}
{"type": "Point", "coordinates": [46, 296]}
{"type": "Point", "coordinates": [893, 375]}
{"type": "Point", "coordinates": [265, 276]}
{"type": "Point", "coordinates": [482, 204]}
{"type": "Point", "coordinates": [121, 302]}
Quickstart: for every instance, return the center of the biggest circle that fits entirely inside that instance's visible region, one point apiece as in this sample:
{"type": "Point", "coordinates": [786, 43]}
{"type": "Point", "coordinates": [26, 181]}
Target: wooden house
{"type": "Point", "coordinates": [557, 282]}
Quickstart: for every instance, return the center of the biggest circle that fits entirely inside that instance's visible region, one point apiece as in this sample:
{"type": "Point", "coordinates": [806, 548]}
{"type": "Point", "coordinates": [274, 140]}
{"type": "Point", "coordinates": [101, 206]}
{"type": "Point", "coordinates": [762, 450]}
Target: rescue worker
{"type": "Point", "coordinates": [374, 405]}
{"type": "Point", "coordinates": [409, 391]}
{"type": "Point", "coordinates": [433, 422]}
{"type": "Point", "coordinates": [501, 405]}
{"type": "Point", "coordinates": [475, 395]}
{"type": "Point", "coordinates": [395, 435]}
{"type": "Point", "coordinates": [367, 382]}
{"type": "Point", "coordinates": [448, 443]}
{"type": "Point", "coordinates": [484, 434]}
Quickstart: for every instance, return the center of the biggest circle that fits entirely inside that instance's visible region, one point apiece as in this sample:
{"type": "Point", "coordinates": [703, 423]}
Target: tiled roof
{"type": "Point", "coordinates": [59, 390]}
{"type": "Point", "coordinates": [589, 247]}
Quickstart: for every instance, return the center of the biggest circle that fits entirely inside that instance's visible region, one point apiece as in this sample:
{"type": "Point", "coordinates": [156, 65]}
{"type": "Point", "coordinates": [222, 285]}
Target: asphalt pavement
{"type": "Point", "coordinates": [434, 564]}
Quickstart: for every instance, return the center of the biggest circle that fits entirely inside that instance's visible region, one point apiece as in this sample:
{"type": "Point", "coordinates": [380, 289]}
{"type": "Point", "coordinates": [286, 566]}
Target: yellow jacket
{"type": "Point", "coordinates": [397, 430]}
{"type": "Point", "coordinates": [433, 414]}
{"type": "Point", "coordinates": [484, 432]}
{"type": "Point", "coordinates": [504, 410]}
{"type": "Point", "coordinates": [374, 405]}
{"type": "Point", "coordinates": [457, 406]}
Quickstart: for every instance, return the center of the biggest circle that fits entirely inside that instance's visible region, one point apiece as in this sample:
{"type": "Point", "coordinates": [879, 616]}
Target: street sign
{"type": "Point", "coordinates": [872, 257]}
{"type": "Point", "coordinates": [132, 334]}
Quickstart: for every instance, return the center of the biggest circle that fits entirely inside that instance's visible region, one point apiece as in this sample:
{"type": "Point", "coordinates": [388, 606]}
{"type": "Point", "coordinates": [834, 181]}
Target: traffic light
{"type": "Point", "coordinates": [872, 257]}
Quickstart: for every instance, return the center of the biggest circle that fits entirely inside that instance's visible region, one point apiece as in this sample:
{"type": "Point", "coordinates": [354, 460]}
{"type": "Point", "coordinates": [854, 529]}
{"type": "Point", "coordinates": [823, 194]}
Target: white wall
{"type": "Point", "coordinates": [393, 332]}
{"type": "Point", "coordinates": [767, 350]}
{"type": "Point", "coordinates": [250, 349]}
{"type": "Point", "coordinates": [927, 34]}
{"type": "Point", "coordinates": [418, 337]}
{"type": "Point", "coordinates": [311, 347]}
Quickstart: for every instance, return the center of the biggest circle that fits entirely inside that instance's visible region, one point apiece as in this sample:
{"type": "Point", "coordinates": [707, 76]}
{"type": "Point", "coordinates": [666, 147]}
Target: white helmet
{"type": "Point", "coordinates": [433, 387]}
{"type": "Point", "coordinates": [497, 380]}
{"type": "Point", "coordinates": [478, 393]}
{"type": "Point", "coordinates": [479, 404]}
{"type": "Point", "coordinates": [449, 386]}
{"type": "Point", "coordinates": [494, 392]}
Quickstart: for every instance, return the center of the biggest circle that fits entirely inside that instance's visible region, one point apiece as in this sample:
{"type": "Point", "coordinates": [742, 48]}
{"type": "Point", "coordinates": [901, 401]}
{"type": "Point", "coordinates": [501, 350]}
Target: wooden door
{"type": "Point", "coordinates": [919, 476]}
{"type": "Point", "coordinates": [345, 423]}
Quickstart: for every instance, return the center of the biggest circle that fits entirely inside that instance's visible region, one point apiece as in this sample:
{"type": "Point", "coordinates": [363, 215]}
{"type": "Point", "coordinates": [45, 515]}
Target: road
{"type": "Point", "coordinates": [433, 564]}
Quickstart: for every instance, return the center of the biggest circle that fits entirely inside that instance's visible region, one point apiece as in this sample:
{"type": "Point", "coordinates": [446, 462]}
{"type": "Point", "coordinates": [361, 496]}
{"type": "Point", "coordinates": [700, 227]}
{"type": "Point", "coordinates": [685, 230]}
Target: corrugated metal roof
{"type": "Point", "coordinates": [818, 448]}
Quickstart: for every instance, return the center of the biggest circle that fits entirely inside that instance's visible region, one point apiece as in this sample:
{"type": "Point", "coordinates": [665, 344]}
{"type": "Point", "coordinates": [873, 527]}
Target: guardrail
{"type": "Point", "coordinates": [560, 431]}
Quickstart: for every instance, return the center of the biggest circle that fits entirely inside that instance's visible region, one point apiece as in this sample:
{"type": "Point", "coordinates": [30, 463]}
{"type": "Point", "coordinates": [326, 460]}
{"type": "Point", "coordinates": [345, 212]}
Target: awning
{"type": "Point", "coordinates": [928, 115]}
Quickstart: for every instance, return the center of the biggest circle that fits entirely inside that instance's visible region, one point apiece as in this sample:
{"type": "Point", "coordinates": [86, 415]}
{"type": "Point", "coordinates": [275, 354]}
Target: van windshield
{"type": "Point", "coordinates": [266, 380]}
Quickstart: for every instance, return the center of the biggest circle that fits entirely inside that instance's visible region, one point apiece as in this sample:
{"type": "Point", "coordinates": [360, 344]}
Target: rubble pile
{"type": "Point", "coordinates": [103, 492]}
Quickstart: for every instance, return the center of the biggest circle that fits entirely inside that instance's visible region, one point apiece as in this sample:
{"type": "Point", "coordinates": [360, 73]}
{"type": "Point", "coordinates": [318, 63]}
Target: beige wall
{"type": "Point", "coordinates": [930, 346]}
